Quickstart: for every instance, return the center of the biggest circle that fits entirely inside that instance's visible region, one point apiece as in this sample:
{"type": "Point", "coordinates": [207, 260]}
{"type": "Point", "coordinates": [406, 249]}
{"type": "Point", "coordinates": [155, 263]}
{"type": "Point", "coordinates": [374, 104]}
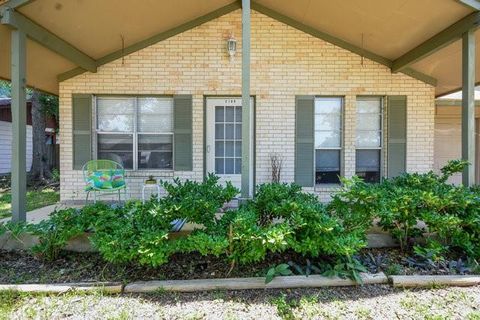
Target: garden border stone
{"type": "Point", "coordinates": [108, 287]}
{"type": "Point", "coordinates": [416, 281]}
{"type": "Point", "coordinates": [284, 282]}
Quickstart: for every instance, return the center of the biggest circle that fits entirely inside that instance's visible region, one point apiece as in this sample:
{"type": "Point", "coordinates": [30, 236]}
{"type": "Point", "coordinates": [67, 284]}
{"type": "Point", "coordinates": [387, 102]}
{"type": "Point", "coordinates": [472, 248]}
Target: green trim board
{"type": "Point", "coordinates": [154, 39]}
{"type": "Point", "coordinates": [468, 106]}
{"type": "Point", "coordinates": [437, 42]}
{"type": "Point", "coordinates": [472, 4]}
{"type": "Point", "coordinates": [339, 42]}
{"type": "Point", "coordinates": [49, 40]}
{"type": "Point", "coordinates": [452, 103]}
{"type": "Point", "coordinates": [19, 125]}
{"type": "Point", "coordinates": [14, 4]}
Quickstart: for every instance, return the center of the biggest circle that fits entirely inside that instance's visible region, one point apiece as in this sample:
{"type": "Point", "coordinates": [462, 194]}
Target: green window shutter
{"type": "Point", "coordinates": [397, 135]}
{"type": "Point", "coordinates": [304, 141]}
{"type": "Point", "coordinates": [182, 124]}
{"type": "Point", "coordinates": [82, 129]}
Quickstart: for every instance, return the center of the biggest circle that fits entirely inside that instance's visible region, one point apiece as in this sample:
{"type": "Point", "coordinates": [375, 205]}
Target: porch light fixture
{"type": "Point", "coordinates": [231, 47]}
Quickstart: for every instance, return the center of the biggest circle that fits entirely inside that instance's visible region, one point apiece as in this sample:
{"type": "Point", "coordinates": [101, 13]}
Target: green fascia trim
{"type": "Point", "coordinates": [420, 76]}
{"type": "Point", "coordinates": [154, 39]}
{"type": "Point", "coordinates": [452, 102]}
{"type": "Point", "coordinates": [14, 4]}
{"type": "Point", "coordinates": [453, 91]}
{"type": "Point", "coordinates": [339, 42]}
{"type": "Point", "coordinates": [44, 37]}
{"type": "Point", "coordinates": [472, 4]}
{"type": "Point", "coordinates": [437, 42]}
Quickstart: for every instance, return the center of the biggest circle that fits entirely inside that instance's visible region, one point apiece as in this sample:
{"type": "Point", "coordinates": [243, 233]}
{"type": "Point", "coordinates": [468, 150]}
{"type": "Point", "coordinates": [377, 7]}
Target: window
{"type": "Point", "coordinates": [369, 138]}
{"type": "Point", "coordinates": [328, 139]}
{"type": "Point", "coordinates": [228, 139]}
{"type": "Point", "coordinates": [135, 132]}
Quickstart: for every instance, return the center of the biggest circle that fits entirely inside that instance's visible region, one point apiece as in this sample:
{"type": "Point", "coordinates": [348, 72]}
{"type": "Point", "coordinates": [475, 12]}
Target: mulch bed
{"type": "Point", "coordinates": [23, 267]}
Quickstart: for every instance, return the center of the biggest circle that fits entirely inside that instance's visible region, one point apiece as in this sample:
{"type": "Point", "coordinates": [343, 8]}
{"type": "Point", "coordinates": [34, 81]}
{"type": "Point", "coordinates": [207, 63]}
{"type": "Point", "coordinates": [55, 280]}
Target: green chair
{"type": "Point", "coordinates": [104, 176]}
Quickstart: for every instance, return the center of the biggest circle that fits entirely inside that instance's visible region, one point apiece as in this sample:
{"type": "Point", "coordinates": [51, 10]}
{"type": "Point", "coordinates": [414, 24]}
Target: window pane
{"type": "Point", "coordinates": [229, 166]}
{"type": "Point", "coordinates": [219, 131]}
{"type": "Point", "coordinates": [115, 114]}
{"type": "Point", "coordinates": [219, 148]}
{"type": "Point", "coordinates": [327, 139]}
{"type": "Point", "coordinates": [238, 165]}
{"type": "Point", "coordinates": [238, 148]}
{"type": "Point", "coordinates": [328, 105]}
{"type": "Point", "coordinates": [327, 122]}
{"type": "Point", "coordinates": [116, 147]}
{"type": "Point", "coordinates": [219, 114]}
{"type": "Point", "coordinates": [368, 165]}
{"type": "Point", "coordinates": [327, 166]}
{"type": "Point", "coordinates": [369, 105]}
{"type": "Point", "coordinates": [238, 114]}
{"type": "Point", "coordinates": [229, 114]}
{"type": "Point", "coordinates": [155, 151]}
{"type": "Point", "coordinates": [368, 121]}
{"type": "Point", "coordinates": [155, 115]}
{"type": "Point", "coordinates": [368, 139]}
{"type": "Point", "coordinates": [229, 131]}
{"type": "Point", "coordinates": [238, 131]}
{"type": "Point", "coordinates": [219, 166]}
{"type": "Point", "coordinates": [229, 148]}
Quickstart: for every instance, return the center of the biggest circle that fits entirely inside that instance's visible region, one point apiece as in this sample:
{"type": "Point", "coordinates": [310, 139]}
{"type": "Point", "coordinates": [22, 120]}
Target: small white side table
{"type": "Point", "coordinates": [150, 186]}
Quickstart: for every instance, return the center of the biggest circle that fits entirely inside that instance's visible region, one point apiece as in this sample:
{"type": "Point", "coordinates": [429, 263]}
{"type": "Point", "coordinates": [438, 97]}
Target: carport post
{"type": "Point", "coordinates": [468, 106]}
{"type": "Point", "coordinates": [246, 183]}
{"type": "Point", "coordinates": [19, 126]}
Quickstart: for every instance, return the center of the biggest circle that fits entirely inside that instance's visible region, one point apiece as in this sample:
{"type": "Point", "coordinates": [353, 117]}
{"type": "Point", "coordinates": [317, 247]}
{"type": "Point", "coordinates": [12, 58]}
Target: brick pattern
{"type": "Point", "coordinates": [285, 62]}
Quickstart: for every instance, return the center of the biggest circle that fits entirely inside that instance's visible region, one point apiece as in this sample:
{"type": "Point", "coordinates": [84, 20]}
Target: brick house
{"type": "Point", "coordinates": [327, 99]}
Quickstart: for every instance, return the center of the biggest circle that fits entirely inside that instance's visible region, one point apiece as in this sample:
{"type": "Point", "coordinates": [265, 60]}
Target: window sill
{"type": "Point", "coordinates": [327, 186]}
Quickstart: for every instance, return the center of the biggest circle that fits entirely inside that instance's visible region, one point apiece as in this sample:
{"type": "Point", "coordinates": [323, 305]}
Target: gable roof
{"type": "Point", "coordinates": [380, 30]}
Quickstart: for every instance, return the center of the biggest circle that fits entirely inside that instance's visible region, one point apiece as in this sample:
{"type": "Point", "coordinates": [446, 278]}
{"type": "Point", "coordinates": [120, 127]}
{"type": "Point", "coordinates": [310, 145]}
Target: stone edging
{"type": "Point", "coordinates": [313, 281]}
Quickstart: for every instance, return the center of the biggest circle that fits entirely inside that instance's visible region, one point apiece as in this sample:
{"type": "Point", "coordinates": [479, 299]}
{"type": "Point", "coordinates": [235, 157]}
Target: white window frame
{"type": "Point", "coordinates": [340, 148]}
{"type": "Point", "coordinates": [379, 148]}
{"type": "Point", "coordinates": [135, 133]}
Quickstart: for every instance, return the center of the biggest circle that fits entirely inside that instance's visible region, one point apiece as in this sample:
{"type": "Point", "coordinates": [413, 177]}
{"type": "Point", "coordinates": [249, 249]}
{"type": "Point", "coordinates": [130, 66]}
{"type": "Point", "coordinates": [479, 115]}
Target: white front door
{"type": "Point", "coordinates": [224, 139]}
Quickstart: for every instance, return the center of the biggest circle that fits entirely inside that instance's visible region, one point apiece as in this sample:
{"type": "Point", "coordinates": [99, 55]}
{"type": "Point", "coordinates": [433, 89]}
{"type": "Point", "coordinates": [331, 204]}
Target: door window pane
{"type": "Point", "coordinates": [116, 147]}
{"type": "Point", "coordinates": [229, 166]}
{"type": "Point", "coordinates": [155, 151]}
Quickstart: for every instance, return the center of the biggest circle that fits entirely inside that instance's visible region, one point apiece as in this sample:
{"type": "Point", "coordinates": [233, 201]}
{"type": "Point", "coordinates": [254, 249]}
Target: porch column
{"type": "Point", "coordinates": [468, 106]}
{"type": "Point", "coordinates": [246, 192]}
{"type": "Point", "coordinates": [19, 126]}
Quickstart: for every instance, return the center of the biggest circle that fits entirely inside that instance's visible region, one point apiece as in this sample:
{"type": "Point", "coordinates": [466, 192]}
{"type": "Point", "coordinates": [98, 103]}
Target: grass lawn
{"type": "Point", "coordinates": [35, 199]}
{"type": "Point", "coordinates": [366, 302]}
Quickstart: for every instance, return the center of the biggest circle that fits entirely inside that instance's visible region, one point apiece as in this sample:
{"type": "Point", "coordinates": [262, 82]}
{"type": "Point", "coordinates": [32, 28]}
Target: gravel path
{"type": "Point", "coordinates": [367, 302]}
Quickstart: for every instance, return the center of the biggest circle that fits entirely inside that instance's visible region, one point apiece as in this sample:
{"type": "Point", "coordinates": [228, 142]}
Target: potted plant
{"type": "Point", "coordinates": [151, 180]}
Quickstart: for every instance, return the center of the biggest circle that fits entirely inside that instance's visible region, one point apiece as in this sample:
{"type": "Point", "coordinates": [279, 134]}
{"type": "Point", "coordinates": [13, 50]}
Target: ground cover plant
{"type": "Point", "coordinates": [437, 225]}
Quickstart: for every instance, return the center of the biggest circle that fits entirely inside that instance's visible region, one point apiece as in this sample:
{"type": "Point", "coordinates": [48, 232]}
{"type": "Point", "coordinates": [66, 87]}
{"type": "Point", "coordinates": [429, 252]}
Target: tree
{"type": "Point", "coordinates": [43, 105]}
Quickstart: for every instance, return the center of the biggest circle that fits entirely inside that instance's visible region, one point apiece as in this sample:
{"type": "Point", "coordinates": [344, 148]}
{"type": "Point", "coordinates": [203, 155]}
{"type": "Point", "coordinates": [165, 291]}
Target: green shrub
{"type": "Point", "coordinates": [451, 213]}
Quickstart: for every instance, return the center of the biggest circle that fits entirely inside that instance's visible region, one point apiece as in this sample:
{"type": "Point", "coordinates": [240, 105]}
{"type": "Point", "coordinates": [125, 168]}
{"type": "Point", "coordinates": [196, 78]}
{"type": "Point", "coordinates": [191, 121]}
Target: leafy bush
{"type": "Point", "coordinates": [451, 214]}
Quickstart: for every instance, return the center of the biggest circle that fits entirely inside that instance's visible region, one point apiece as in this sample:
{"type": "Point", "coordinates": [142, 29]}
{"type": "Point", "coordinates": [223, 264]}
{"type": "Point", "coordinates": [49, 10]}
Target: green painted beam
{"type": "Point", "coordinates": [14, 4]}
{"type": "Point", "coordinates": [154, 39]}
{"type": "Point", "coordinates": [420, 76]}
{"type": "Point", "coordinates": [246, 191]}
{"type": "Point", "coordinates": [19, 126]}
{"type": "Point", "coordinates": [437, 42]}
{"type": "Point", "coordinates": [472, 4]}
{"type": "Point", "coordinates": [339, 42]}
{"type": "Point", "coordinates": [468, 106]}
{"type": "Point", "coordinates": [41, 35]}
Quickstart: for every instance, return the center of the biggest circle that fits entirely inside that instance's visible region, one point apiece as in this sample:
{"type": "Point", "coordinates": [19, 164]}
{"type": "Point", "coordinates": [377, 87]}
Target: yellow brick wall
{"type": "Point", "coordinates": [284, 62]}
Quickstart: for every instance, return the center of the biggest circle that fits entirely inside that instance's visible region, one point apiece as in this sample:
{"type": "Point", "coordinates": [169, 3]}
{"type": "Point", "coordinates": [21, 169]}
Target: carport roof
{"type": "Point", "coordinates": [418, 37]}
